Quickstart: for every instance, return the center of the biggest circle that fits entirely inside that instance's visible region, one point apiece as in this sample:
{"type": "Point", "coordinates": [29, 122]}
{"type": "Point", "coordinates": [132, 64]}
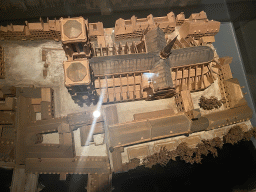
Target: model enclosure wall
{"type": "Point", "coordinates": [51, 29]}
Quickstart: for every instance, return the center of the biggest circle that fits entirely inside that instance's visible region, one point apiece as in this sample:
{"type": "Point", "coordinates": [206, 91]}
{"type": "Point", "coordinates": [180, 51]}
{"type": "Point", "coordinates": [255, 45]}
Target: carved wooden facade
{"type": "Point", "coordinates": [198, 26]}
{"type": "Point", "coordinates": [135, 27]}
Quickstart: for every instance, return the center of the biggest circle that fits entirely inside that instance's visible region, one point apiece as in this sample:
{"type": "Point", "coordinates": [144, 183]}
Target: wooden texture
{"type": "Point", "coordinates": [197, 27]}
{"type": "Point", "coordinates": [36, 101]}
{"type": "Point", "coordinates": [229, 116]}
{"type": "Point", "coordinates": [194, 77]}
{"type": "Point", "coordinates": [68, 73]}
{"type": "Point", "coordinates": [155, 40]}
{"type": "Point", "coordinates": [76, 120]}
{"type": "Point", "coordinates": [121, 64]}
{"type": "Point", "coordinates": [8, 104]}
{"type": "Point", "coordinates": [22, 122]}
{"type": "Point", "coordinates": [19, 179]}
{"type": "Point", "coordinates": [84, 131]}
{"type": "Point", "coordinates": [7, 118]}
{"type": "Point", "coordinates": [187, 100]}
{"type": "Point", "coordinates": [68, 34]}
{"type": "Point", "coordinates": [234, 92]}
{"type": "Point", "coordinates": [111, 115]}
{"type": "Point", "coordinates": [137, 152]}
{"type": "Point", "coordinates": [117, 159]}
{"type": "Point", "coordinates": [29, 148]}
{"type": "Point", "coordinates": [95, 29]}
{"type": "Point", "coordinates": [80, 165]}
{"type": "Point", "coordinates": [121, 87]}
{"type": "Point", "coordinates": [46, 110]}
{"type": "Point", "coordinates": [146, 130]}
{"type": "Point", "coordinates": [153, 114]}
{"type": "Point", "coordinates": [46, 94]}
{"type": "Point", "coordinates": [168, 145]}
{"type": "Point", "coordinates": [101, 41]}
{"type": "Point", "coordinates": [134, 27]}
{"type": "Point", "coordinates": [137, 47]}
{"type": "Point", "coordinates": [8, 132]}
{"type": "Point", "coordinates": [2, 67]}
{"type": "Point", "coordinates": [37, 108]}
{"type": "Point", "coordinates": [43, 30]}
{"type": "Point", "coordinates": [98, 182]}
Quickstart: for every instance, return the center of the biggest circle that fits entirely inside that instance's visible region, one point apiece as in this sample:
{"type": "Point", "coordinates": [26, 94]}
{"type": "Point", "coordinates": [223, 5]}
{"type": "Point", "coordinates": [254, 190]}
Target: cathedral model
{"type": "Point", "coordinates": [101, 100]}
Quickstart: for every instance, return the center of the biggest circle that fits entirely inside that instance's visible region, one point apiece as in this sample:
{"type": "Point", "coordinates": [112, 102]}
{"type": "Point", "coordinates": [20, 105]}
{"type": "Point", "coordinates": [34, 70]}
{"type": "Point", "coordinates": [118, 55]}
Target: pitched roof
{"type": "Point", "coordinates": [155, 40]}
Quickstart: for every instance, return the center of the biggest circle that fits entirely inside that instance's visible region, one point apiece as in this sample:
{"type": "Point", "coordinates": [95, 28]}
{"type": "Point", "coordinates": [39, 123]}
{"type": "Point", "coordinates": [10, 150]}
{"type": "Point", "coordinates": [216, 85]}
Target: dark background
{"type": "Point", "coordinates": [234, 169]}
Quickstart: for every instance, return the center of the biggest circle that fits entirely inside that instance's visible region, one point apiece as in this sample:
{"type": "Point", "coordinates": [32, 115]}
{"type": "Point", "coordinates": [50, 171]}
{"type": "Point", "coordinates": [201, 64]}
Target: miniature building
{"type": "Point", "coordinates": [41, 102]}
{"type": "Point", "coordinates": [74, 36]}
{"type": "Point", "coordinates": [77, 47]}
{"type": "Point", "coordinates": [198, 26]}
{"type": "Point", "coordinates": [224, 68]}
{"type": "Point", "coordinates": [169, 72]}
{"type": "Point", "coordinates": [95, 30]}
{"type": "Point", "coordinates": [73, 30]}
{"type": "Point", "coordinates": [48, 30]}
{"type": "Point", "coordinates": [180, 19]}
{"type": "Point", "coordinates": [76, 33]}
{"type": "Point", "coordinates": [198, 16]}
{"type": "Point", "coordinates": [77, 73]}
{"type": "Point", "coordinates": [134, 27]}
{"type": "Point", "coordinates": [146, 130]}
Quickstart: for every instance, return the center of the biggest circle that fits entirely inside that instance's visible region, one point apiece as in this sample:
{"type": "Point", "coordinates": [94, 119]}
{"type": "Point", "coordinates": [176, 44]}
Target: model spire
{"type": "Point", "coordinates": [164, 54]}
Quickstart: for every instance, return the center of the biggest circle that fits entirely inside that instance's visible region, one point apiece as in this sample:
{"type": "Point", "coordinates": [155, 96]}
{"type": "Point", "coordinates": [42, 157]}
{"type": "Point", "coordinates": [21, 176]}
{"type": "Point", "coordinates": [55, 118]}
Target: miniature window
{"type": "Point", "coordinates": [94, 27]}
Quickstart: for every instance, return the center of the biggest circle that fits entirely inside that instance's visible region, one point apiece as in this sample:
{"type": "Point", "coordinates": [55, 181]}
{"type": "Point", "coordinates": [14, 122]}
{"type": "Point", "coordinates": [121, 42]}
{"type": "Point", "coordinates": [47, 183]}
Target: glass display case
{"type": "Point", "coordinates": [88, 95]}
